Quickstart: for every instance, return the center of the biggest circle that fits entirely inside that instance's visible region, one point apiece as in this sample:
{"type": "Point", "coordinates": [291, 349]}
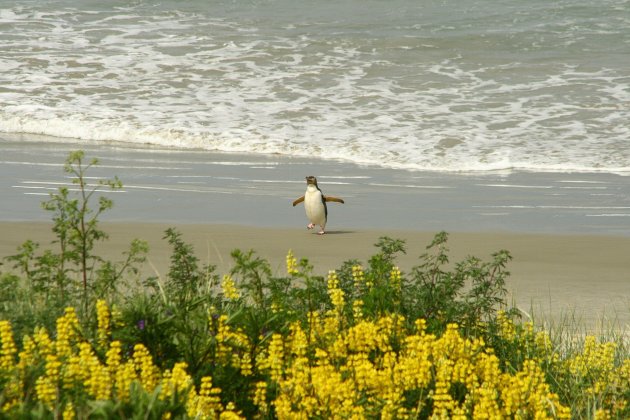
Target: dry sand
{"type": "Point", "coordinates": [558, 276]}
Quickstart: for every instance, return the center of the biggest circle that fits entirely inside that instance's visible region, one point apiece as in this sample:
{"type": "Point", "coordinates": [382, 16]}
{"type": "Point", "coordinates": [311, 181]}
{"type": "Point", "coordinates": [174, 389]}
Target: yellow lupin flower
{"type": "Point", "coordinates": [47, 384]}
{"type": "Point", "coordinates": [97, 377]}
{"type": "Point", "coordinates": [27, 356]}
{"type": "Point", "coordinates": [43, 342]}
{"type": "Point", "coordinates": [67, 326]}
{"type": "Point", "coordinates": [7, 348]}
{"type": "Point", "coordinates": [233, 346]}
{"type": "Point", "coordinates": [331, 324]}
{"type": "Point", "coordinates": [175, 382]}
{"type": "Point", "coordinates": [103, 318]}
{"type": "Point", "coordinates": [68, 411]}
{"type": "Point", "coordinates": [395, 278]}
{"type": "Point", "coordinates": [245, 364]}
{"type": "Point", "coordinates": [143, 363]}
{"type": "Point", "coordinates": [74, 372]}
{"type": "Point", "coordinates": [291, 264]}
{"type": "Point", "coordinates": [229, 413]}
{"type": "Point", "coordinates": [507, 328]}
{"type": "Point", "coordinates": [260, 397]}
{"type": "Point", "coordinates": [357, 309]}
{"type": "Point", "coordinates": [325, 369]}
{"type": "Point", "coordinates": [274, 359]}
{"type": "Point", "coordinates": [358, 276]}
{"type": "Point", "coordinates": [125, 376]}
{"type": "Point", "coordinates": [208, 402]}
{"type": "Point", "coordinates": [229, 289]}
{"type": "Point", "coordinates": [595, 364]}
{"type": "Point", "coordinates": [335, 293]}
{"type": "Point", "coordinates": [10, 372]}
{"type": "Point", "coordinates": [116, 317]}
{"type": "Point", "coordinates": [113, 356]}
{"type": "Point", "coordinates": [527, 391]}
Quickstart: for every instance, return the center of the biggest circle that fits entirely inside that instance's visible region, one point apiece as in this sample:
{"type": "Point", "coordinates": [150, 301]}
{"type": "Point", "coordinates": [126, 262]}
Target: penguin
{"type": "Point", "coordinates": [315, 204]}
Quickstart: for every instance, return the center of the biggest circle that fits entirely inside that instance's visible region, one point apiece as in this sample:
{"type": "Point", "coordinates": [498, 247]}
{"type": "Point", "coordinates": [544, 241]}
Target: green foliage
{"type": "Point", "coordinates": [70, 273]}
{"type": "Point", "coordinates": [188, 315]}
{"type": "Point", "coordinates": [75, 222]}
{"type": "Point", "coordinates": [171, 320]}
{"type": "Point", "coordinates": [141, 406]}
{"type": "Point", "coordinates": [467, 295]}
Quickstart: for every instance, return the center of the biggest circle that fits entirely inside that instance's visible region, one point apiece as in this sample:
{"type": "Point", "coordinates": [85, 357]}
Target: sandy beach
{"type": "Point", "coordinates": [563, 277]}
{"type": "Point", "coordinates": [568, 233]}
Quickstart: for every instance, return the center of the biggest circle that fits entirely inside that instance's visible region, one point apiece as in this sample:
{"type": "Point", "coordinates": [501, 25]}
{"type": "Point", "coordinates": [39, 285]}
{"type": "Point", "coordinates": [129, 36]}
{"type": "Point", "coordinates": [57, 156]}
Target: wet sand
{"type": "Point", "coordinates": [569, 234]}
{"type": "Point", "coordinates": [195, 186]}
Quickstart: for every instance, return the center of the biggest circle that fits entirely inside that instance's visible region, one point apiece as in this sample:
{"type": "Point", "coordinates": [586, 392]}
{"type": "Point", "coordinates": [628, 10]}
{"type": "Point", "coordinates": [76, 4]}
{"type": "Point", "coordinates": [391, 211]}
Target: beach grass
{"type": "Point", "coordinates": [85, 336]}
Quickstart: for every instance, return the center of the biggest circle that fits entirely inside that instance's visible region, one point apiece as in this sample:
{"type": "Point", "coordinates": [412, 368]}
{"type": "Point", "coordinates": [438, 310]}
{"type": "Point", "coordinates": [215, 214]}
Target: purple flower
{"type": "Point", "coordinates": [141, 324]}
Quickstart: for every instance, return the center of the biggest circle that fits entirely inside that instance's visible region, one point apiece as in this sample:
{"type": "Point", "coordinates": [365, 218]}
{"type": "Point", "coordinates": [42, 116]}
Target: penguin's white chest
{"type": "Point", "coordinates": [315, 207]}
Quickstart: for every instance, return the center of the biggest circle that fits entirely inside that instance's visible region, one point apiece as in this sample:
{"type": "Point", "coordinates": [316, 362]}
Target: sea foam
{"type": "Point", "coordinates": [397, 86]}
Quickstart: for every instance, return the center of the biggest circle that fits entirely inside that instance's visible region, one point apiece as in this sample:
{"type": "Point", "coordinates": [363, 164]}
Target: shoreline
{"type": "Point", "coordinates": [557, 276]}
{"type": "Point", "coordinates": [568, 233]}
{"type": "Point", "coordinates": [170, 185]}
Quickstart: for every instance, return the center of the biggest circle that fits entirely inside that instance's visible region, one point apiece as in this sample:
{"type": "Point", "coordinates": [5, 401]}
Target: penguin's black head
{"type": "Point", "coordinates": [311, 180]}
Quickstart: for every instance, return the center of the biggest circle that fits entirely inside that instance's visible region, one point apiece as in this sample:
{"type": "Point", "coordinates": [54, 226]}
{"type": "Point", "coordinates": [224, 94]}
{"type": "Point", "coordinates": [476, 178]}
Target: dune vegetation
{"type": "Point", "coordinates": [85, 337]}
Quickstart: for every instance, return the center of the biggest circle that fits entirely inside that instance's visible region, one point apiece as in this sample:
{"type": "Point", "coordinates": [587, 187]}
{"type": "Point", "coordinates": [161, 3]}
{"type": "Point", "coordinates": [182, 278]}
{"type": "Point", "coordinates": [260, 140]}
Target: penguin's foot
{"type": "Point", "coordinates": [310, 226]}
{"type": "Point", "coordinates": [321, 232]}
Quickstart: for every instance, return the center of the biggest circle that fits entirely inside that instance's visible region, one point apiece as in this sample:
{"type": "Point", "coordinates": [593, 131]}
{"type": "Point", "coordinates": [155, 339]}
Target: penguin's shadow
{"type": "Point", "coordinates": [336, 232]}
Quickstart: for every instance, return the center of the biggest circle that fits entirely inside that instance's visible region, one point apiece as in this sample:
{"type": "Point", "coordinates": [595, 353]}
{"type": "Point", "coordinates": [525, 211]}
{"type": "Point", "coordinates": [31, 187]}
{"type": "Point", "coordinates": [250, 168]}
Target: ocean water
{"type": "Point", "coordinates": [480, 85]}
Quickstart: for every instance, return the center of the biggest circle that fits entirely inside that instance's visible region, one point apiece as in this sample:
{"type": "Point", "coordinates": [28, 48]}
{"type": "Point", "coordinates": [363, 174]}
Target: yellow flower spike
{"type": "Point", "coordinates": [67, 326]}
{"type": "Point", "coordinates": [357, 309]}
{"type": "Point", "coordinates": [143, 363]}
{"type": "Point", "coordinates": [246, 365]}
{"type": "Point", "coordinates": [74, 372]}
{"type": "Point", "coordinates": [113, 356]}
{"type": "Point", "coordinates": [595, 365]}
{"type": "Point", "coordinates": [336, 294]}
{"type": "Point", "coordinates": [234, 347]}
{"type": "Point", "coordinates": [260, 397]}
{"type": "Point", "coordinates": [395, 278]}
{"type": "Point", "coordinates": [331, 324]}
{"type": "Point", "coordinates": [46, 386]}
{"type": "Point", "coordinates": [358, 276]}
{"type": "Point", "coordinates": [208, 402]}
{"type": "Point", "coordinates": [527, 392]}
{"type": "Point", "coordinates": [27, 356]}
{"type": "Point", "coordinates": [68, 411]}
{"type": "Point", "coordinates": [97, 377]}
{"type": "Point", "coordinates": [275, 357]}
{"type": "Point", "coordinates": [103, 318]}
{"type": "Point", "coordinates": [229, 413]}
{"type": "Point", "coordinates": [299, 343]}
{"type": "Point", "coordinates": [8, 350]}
{"type": "Point", "coordinates": [125, 376]}
{"type": "Point", "coordinates": [43, 342]}
{"type": "Point", "coordinates": [11, 373]}
{"type": "Point", "coordinates": [175, 382]}
{"type": "Point", "coordinates": [292, 265]}
{"type": "Point", "coordinates": [507, 328]}
{"type": "Point", "coordinates": [331, 397]}
{"type": "Point", "coordinates": [230, 292]}
{"type": "Point", "coordinates": [116, 316]}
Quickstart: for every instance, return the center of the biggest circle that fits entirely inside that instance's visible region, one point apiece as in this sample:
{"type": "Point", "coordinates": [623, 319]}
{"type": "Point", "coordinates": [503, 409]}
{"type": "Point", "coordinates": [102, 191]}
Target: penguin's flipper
{"type": "Point", "coordinates": [298, 201]}
{"type": "Point", "coordinates": [335, 199]}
